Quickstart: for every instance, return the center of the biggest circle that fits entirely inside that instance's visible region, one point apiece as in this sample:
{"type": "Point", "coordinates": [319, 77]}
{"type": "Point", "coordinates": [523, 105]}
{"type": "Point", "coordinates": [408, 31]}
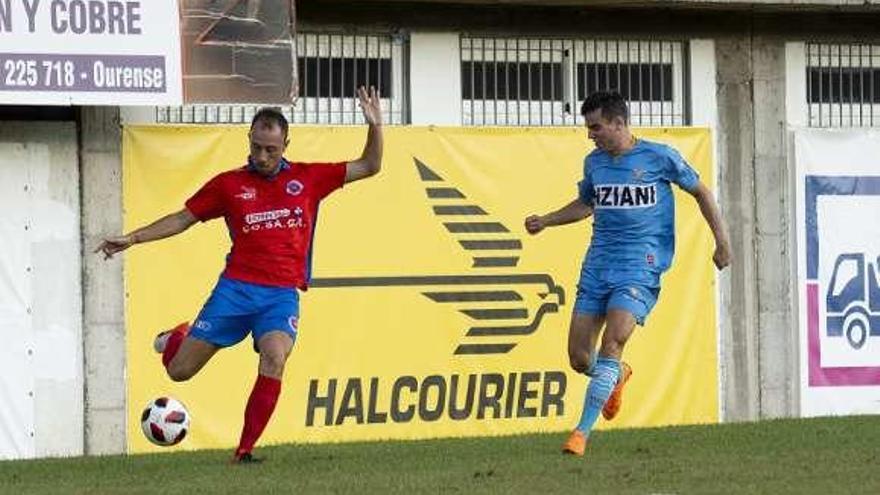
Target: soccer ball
{"type": "Point", "coordinates": [165, 421]}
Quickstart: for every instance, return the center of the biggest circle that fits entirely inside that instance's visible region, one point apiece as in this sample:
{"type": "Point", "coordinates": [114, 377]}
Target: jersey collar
{"type": "Point", "coordinates": [636, 145]}
{"type": "Point", "coordinates": [284, 166]}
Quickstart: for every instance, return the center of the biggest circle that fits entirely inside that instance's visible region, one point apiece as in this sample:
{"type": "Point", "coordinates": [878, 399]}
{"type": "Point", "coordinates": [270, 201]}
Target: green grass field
{"type": "Point", "coordinates": [821, 456]}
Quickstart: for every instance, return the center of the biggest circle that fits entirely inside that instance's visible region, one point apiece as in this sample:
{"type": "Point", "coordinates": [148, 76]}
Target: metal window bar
{"type": "Point", "coordinates": [519, 84]}
{"type": "Point", "coordinates": [843, 84]}
{"type": "Point", "coordinates": [529, 81]}
{"type": "Point", "coordinates": [331, 67]}
{"type": "Point", "coordinates": [542, 81]}
{"type": "Point", "coordinates": [483, 78]}
{"type": "Point", "coordinates": [840, 78]}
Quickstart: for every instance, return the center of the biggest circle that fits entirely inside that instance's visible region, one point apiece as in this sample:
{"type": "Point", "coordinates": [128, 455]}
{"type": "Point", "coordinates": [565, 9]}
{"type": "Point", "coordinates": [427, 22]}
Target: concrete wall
{"type": "Point", "coordinates": [103, 290]}
{"type": "Point", "coordinates": [777, 337]}
{"type": "Point", "coordinates": [758, 331]}
{"type": "Point", "coordinates": [735, 149]}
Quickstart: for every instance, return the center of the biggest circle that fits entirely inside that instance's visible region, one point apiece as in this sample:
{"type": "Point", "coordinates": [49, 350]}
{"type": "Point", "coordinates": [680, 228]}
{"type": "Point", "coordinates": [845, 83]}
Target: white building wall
{"type": "Point", "coordinates": [704, 100]}
{"type": "Point", "coordinates": [796, 84]}
{"type": "Point", "coordinates": [796, 116]}
{"type": "Point", "coordinates": [435, 79]}
{"type": "Point", "coordinates": [41, 364]}
{"type": "Point", "coordinates": [704, 113]}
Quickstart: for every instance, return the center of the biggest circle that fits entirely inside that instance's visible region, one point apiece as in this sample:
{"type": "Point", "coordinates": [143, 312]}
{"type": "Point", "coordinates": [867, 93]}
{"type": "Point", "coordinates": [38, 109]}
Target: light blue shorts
{"type": "Point", "coordinates": [238, 308]}
{"type": "Point", "coordinates": [600, 290]}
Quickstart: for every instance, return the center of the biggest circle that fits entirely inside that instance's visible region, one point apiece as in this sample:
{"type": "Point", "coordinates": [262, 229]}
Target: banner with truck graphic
{"type": "Point", "coordinates": [838, 197]}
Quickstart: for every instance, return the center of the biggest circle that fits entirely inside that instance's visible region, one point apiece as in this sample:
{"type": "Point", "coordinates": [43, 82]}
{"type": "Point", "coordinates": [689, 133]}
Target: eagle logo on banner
{"type": "Point", "coordinates": [485, 298]}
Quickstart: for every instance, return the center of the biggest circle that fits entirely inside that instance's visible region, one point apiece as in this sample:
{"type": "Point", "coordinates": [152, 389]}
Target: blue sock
{"type": "Point", "coordinates": [604, 378]}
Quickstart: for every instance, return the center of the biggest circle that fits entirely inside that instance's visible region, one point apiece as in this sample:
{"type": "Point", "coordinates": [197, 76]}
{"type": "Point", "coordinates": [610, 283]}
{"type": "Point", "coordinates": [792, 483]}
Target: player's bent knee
{"type": "Point", "coordinates": [179, 373]}
{"type": "Point", "coordinates": [272, 363]}
{"type": "Point", "coordinates": [579, 363]}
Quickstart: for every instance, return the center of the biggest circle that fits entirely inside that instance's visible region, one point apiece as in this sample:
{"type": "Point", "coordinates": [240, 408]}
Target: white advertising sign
{"type": "Point", "coordinates": [838, 197]}
{"type": "Point", "coordinates": [90, 52]}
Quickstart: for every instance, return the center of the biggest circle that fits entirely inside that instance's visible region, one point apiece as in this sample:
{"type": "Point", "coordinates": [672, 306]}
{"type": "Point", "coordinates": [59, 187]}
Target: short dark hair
{"type": "Point", "coordinates": [611, 103]}
{"type": "Point", "coordinates": [270, 117]}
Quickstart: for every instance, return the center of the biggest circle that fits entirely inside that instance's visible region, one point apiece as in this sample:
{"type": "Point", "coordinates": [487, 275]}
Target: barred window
{"type": "Point", "coordinates": [843, 85]}
{"type": "Point", "coordinates": [330, 67]}
{"type": "Point", "coordinates": [511, 81]}
{"type": "Point", "coordinates": [636, 82]}
{"type": "Point", "coordinates": [536, 81]}
{"type": "Point", "coordinates": [340, 77]}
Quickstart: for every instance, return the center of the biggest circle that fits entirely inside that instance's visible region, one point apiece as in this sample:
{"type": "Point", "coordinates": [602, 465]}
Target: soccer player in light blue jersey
{"type": "Point", "coordinates": [627, 187]}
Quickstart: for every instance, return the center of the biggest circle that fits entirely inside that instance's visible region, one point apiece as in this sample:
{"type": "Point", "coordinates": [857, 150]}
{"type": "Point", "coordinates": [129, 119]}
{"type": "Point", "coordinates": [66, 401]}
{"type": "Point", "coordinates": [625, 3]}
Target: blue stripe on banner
{"type": "Point", "coordinates": [819, 185]}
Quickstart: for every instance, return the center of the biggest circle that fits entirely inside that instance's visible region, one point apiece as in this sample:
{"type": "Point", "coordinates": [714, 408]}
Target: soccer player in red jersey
{"type": "Point", "coordinates": [270, 206]}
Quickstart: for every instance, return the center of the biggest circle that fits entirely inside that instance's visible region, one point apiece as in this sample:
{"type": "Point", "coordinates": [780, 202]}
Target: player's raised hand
{"type": "Point", "coordinates": [113, 245]}
{"type": "Point", "coordinates": [534, 224]}
{"type": "Point", "coordinates": [370, 105]}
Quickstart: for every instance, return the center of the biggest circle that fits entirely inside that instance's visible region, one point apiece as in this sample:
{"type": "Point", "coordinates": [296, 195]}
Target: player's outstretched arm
{"type": "Point", "coordinates": [166, 226]}
{"type": "Point", "coordinates": [370, 161]}
{"type": "Point", "coordinates": [712, 214]}
{"type": "Point", "coordinates": [570, 213]}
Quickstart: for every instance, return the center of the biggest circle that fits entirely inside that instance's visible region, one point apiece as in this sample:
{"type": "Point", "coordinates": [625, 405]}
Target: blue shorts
{"type": "Point", "coordinates": [237, 308]}
{"type": "Point", "coordinates": [635, 291]}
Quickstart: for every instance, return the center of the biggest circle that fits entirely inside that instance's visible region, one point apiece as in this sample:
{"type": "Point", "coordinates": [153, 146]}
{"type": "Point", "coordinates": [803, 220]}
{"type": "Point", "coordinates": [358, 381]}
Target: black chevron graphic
{"type": "Point", "coordinates": [496, 303]}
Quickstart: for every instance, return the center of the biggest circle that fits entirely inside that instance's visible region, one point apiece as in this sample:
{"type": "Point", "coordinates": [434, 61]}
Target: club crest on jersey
{"type": "Point", "coordinates": [294, 187]}
{"type": "Point", "coordinates": [626, 195]}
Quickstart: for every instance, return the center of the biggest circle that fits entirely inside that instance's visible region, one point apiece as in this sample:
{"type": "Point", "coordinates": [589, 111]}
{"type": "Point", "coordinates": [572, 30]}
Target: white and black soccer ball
{"type": "Point", "coordinates": [165, 421]}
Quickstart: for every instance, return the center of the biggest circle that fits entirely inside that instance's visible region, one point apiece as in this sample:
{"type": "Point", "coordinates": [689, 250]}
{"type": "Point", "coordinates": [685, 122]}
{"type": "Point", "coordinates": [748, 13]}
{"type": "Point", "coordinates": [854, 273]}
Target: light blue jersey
{"type": "Point", "coordinates": [634, 207]}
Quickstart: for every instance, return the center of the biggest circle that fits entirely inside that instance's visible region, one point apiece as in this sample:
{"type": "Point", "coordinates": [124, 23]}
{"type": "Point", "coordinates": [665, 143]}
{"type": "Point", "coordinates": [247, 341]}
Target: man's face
{"type": "Point", "coordinates": [605, 133]}
{"type": "Point", "coordinates": [268, 143]}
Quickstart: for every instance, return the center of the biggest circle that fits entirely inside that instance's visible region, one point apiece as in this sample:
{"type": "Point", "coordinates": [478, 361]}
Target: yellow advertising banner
{"type": "Point", "coordinates": [416, 327]}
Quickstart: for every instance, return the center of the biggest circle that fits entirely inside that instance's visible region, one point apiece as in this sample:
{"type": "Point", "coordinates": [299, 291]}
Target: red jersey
{"type": "Point", "coordinates": [271, 219]}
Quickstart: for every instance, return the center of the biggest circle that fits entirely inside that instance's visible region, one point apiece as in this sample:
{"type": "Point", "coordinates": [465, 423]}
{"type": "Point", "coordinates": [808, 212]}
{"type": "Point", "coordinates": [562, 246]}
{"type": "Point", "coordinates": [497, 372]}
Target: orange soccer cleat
{"type": "Point", "coordinates": [612, 406]}
{"type": "Point", "coordinates": [576, 444]}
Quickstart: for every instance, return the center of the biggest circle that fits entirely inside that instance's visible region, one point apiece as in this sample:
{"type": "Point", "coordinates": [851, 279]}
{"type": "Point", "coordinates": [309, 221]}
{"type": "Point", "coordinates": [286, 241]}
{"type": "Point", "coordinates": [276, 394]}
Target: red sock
{"type": "Point", "coordinates": [172, 345]}
{"type": "Point", "coordinates": [259, 409]}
